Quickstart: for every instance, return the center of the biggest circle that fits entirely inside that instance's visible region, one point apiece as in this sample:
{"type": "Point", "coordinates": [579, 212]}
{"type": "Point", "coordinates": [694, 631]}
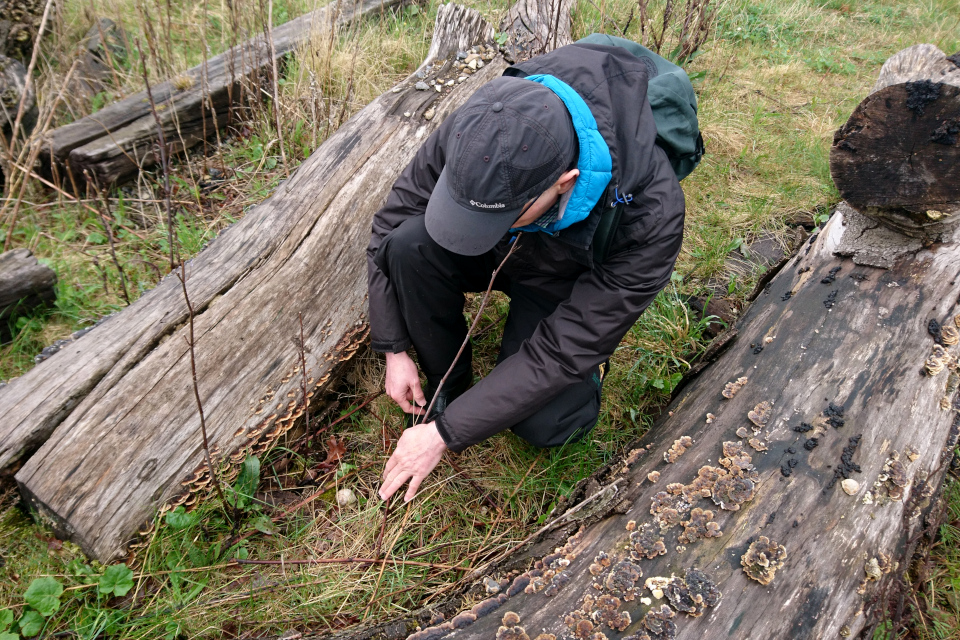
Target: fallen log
{"type": "Point", "coordinates": [798, 499]}
{"type": "Point", "coordinates": [785, 489]}
{"type": "Point", "coordinates": [898, 156]}
{"type": "Point", "coordinates": [127, 440]}
{"type": "Point", "coordinates": [115, 143]}
{"type": "Point", "coordinates": [24, 285]}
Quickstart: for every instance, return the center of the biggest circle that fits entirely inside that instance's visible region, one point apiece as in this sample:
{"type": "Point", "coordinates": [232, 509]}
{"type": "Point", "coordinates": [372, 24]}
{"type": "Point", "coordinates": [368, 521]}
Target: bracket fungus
{"type": "Point", "coordinates": [511, 629]}
{"type": "Point", "coordinates": [677, 449]}
{"type": "Point", "coordinates": [647, 542]}
{"type": "Point", "coordinates": [876, 568]}
{"type": "Point", "coordinates": [659, 623]}
{"type": "Point", "coordinates": [760, 415]}
{"type": "Point", "coordinates": [693, 593]}
{"type": "Point", "coordinates": [699, 526]}
{"type": "Point", "coordinates": [608, 613]}
{"type": "Point", "coordinates": [732, 388]}
{"type": "Point", "coordinates": [762, 559]}
{"type": "Point", "coordinates": [622, 579]}
{"type": "Point", "coordinates": [890, 483]}
{"type": "Point", "coordinates": [667, 509]}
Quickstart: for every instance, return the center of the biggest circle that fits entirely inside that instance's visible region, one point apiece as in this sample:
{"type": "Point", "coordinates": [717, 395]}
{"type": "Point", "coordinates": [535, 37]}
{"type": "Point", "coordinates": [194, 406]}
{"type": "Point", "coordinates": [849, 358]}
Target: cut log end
{"type": "Point", "coordinates": [897, 159]}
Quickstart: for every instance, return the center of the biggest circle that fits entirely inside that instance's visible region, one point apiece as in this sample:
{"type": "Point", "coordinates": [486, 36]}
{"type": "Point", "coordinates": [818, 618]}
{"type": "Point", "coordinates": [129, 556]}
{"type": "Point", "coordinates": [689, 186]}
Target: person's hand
{"type": "Point", "coordinates": [418, 451]}
{"type": "Point", "coordinates": [403, 382]}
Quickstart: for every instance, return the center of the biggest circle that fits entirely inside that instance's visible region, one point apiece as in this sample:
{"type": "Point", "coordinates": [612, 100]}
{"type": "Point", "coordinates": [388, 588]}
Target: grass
{"type": "Point", "coordinates": [774, 83]}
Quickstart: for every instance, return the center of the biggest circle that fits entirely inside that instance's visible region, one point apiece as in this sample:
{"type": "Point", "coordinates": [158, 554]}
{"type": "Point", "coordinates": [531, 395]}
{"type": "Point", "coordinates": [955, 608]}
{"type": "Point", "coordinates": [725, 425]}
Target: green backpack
{"type": "Point", "coordinates": [673, 102]}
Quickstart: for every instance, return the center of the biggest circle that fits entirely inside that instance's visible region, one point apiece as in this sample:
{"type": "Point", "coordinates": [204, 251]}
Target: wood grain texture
{"type": "Point", "coordinates": [24, 284]}
{"type": "Point", "coordinates": [865, 354]}
{"type": "Point", "coordinates": [128, 440]}
{"type": "Point", "coordinates": [113, 144]}
{"type": "Point", "coordinates": [897, 158]}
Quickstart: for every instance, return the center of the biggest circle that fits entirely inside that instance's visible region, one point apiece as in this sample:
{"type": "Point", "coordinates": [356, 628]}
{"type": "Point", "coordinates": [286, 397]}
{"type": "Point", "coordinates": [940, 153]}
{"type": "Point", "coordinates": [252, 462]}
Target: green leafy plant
{"type": "Point", "coordinates": [30, 623]}
{"type": "Point", "coordinates": [240, 495]}
{"type": "Point", "coordinates": [116, 580]}
{"type": "Point", "coordinates": [43, 594]}
{"type": "Point", "coordinates": [6, 621]}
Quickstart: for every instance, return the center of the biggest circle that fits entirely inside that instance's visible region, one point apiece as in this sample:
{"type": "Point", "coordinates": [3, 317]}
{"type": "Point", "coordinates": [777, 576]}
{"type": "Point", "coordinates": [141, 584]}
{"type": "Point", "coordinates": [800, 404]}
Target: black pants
{"type": "Point", "coordinates": [430, 282]}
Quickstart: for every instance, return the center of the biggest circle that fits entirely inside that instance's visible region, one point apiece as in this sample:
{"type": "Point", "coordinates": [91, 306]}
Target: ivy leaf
{"type": "Point", "coordinates": [43, 594]}
{"type": "Point", "coordinates": [31, 623]}
{"type": "Point", "coordinates": [117, 579]}
{"type": "Point", "coordinates": [6, 619]}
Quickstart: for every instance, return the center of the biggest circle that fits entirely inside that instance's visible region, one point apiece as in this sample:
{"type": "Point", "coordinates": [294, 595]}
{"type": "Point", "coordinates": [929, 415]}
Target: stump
{"type": "Point", "coordinates": [25, 284]}
{"type": "Point", "coordinates": [897, 158]}
{"type": "Point", "coordinates": [127, 441]}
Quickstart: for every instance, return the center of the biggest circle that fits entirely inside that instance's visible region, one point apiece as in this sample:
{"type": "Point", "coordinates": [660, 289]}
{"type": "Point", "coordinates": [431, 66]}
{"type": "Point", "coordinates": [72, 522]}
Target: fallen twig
{"type": "Point", "coordinates": [380, 561]}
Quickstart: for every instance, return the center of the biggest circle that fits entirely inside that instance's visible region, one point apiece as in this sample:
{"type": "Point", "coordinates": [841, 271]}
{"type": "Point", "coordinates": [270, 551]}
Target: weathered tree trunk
{"type": "Point", "coordinates": [24, 285]}
{"type": "Point", "coordinates": [898, 156]}
{"type": "Point", "coordinates": [127, 439]}
{"type": "Point", "coordinates": [113, 144]}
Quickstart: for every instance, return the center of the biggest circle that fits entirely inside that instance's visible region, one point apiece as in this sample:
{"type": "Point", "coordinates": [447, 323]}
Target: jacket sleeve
{"type": "Point", "coordinates": [581, 333]}
{"type": "Point", "coordinates": [408, 198]}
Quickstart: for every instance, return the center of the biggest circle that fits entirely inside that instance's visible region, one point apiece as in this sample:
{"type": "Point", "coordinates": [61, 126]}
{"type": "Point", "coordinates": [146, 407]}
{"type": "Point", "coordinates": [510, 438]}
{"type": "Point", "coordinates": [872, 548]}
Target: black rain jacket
{"type": "Point", "coordinates": [599, 302]}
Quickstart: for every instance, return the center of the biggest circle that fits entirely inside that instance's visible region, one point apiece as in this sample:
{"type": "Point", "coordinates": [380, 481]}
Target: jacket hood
{"type": "Point", "coordinates": [613, 84]}
{"type": "Point", "coordinates": [593, 161]}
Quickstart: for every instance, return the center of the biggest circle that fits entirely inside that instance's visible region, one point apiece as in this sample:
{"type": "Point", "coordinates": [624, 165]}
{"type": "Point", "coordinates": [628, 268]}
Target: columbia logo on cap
{"type": "Point", "coordinates": [498, 205]}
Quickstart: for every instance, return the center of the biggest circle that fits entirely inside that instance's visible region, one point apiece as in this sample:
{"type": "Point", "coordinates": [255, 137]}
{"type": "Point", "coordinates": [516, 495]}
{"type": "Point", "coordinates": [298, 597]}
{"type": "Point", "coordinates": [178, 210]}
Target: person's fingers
{"type": "Point", "coordinates": [413, 488]}
{"type": "Point", "coordinates": [405, 405]}
{"type": "Point", "coordinates": [418, 396]}
{"type": "Point", "coordinates": [391, 463]}
{"type": "Point", "coordinates": [393, 483]}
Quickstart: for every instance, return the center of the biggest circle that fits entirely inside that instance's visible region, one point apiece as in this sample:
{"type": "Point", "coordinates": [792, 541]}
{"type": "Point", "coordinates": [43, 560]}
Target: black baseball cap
{"type": "Point", "coordinates": [509, 142]}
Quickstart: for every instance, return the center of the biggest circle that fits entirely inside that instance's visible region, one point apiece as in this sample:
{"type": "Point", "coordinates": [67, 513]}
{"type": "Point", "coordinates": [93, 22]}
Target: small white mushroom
{"type": "Point", "coordinates": [850, 486]}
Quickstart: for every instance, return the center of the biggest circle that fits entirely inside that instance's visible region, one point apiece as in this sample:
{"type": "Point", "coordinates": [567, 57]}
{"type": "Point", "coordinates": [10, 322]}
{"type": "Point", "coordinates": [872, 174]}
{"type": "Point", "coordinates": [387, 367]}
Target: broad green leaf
{"type": "Point", "coordinates": [43, 594]}
{"type": "Point", "coordinates": [31, 623]}
{"type": "Point", "coordinates": [6, 619]}
{"type": "Point", "coordinates": [8, 636]}
{"type": "Point", "coordinates": [180, 519]}
{"type": "Point", "coordinates": [117, 579]}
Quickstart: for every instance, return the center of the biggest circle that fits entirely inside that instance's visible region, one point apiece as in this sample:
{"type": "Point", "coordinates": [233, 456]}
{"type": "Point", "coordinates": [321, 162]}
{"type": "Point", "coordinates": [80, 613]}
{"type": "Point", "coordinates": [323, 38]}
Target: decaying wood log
{"type": "Point", "coordinates": [898, 156]}
{"type": "Point", "coordinates": [24, 284]}
{"type": "Point", "coordinates": [127, 439]}
{"type": "Point", "coordinates": [113, 144]}
{"type": "Point", "coordinates": [827, 457]}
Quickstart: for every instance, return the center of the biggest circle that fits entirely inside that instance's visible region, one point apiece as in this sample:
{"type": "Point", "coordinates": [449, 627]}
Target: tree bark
{"type": "Point", "coordinates": [897, 158]}
{"type": "Point", "coordinates": [127, 440]}
{"type": "Point", "coordinates": [24, 285]}
{"type": "Point", "coordinates": [115, 143]}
